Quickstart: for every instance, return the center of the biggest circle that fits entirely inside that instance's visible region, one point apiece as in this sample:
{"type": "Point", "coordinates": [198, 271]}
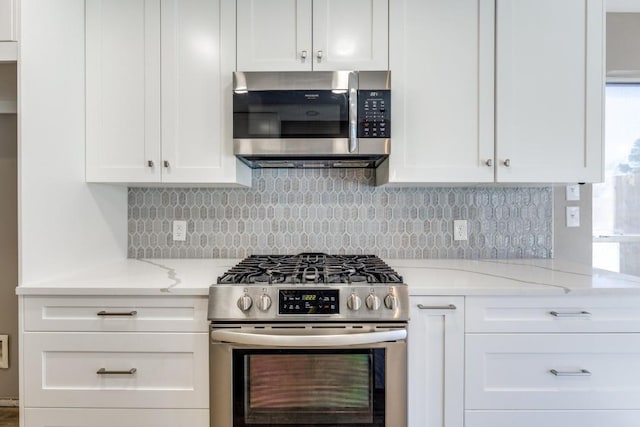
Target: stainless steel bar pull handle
{"type": "Point", "coordinates": [580, 373]}
{"type": "Point", "coordinates": [103, 371]}
{"type": "Point", "coordinates": [437, 307]}
{"type": "Point", "coordinates": [353, 112]}
{"type": "Point", "coordinates": [570, 314]}
{"type": "Point", "coordinates": [116, 313]}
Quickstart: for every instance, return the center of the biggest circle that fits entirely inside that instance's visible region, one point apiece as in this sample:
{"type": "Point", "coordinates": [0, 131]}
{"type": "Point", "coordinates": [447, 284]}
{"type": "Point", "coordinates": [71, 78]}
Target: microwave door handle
{"type": "Point", "coordinates": [265, 340]}
{"type": "Point", "coordinates": [353, 112]}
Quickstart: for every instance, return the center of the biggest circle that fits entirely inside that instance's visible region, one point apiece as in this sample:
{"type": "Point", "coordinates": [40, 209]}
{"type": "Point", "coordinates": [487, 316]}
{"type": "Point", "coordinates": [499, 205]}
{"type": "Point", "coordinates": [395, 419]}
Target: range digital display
{"type": "Point", "coordinates": [309, 301]}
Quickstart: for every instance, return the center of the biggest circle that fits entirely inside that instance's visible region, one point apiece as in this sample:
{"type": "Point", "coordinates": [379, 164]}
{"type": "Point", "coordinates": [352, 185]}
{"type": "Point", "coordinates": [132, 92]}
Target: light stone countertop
{"type": "Point", "coordinates": [192, 277]}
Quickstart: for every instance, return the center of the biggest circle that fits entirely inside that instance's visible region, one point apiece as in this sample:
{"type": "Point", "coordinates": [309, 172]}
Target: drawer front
{"type": "Point", "coordinates": [552, 314]}
{"type": "Point", "coordinates": [116, 417]}
{"type": "Point", "coordinates": [592, 371]}
{"type": "Point", "coordinates": [116, 314]}
{"type": "Point", "coordinates": [141, 370]}
{"type": "Point", "coordinates": [552, 418]}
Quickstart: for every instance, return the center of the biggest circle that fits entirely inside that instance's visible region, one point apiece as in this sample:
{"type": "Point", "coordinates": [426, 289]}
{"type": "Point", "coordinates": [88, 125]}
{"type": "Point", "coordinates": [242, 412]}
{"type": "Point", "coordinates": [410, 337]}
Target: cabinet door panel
{"type": "Point", "coordinates": [273, 34]}
{"type": "Point", "coordinates": [38, 417]}
{"type": "Point", "coordinates": [198, 57]}
{"type": "Point", "coordinates": [171, 370]}
{"type": "Point", "coordinates": [514, 371]}
{"type": "Point", "coordinates": [435, 346]}
{"type": "Point", "coordinates": [441, 61]}
{"type": "Point", "coordinates": [123, 90]}
{"type": "Point", "coordinates": [8, 20]}
{"type": "Point", "coordinates": [351, 35]}
{"type": "Point", "coordinates": [551, 418]}
{"type": "Point", "coordinates": [549, 85]}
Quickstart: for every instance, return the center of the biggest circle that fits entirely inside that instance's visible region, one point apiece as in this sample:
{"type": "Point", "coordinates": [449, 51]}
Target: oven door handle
{"type": "Point", "coordinates": [272, 340]}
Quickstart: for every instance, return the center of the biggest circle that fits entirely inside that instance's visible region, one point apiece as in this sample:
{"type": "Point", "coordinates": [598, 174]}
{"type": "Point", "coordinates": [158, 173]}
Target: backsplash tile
{"type": "Point", "coordinates": [340, 211]}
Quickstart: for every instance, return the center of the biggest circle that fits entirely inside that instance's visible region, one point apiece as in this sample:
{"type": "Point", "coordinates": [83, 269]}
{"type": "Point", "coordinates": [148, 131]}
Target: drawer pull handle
{"type": "Point", "coordinates": [126, 313]}
{"type": "Point", "coordinates": [575, 314]}
{"type": "Point", "coordinates": [103, 371]}
{"type": "Point", "coordinates": [581, 373]}
{"type": "Point", "coordinates": [437, 307]}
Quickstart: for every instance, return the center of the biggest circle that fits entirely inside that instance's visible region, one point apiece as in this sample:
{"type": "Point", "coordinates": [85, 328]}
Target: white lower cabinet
{"type": "Point", "coordinates": [114, 361]}
{"type": "Point", "coordinates": [560, 371]}
{"type": "Point", "coordinates": [552, 418]}
{"type": "Point", "coordinates": [116, 417]}
{"type": "Point", "coordinates": [552, 361]}
{"type": "Point", "coordinates": [435, 362]}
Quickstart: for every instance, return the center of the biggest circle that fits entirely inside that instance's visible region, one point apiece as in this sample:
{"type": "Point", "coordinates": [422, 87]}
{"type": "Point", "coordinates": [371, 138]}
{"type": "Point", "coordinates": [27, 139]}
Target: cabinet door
{"type": "Point", "coordinates": [350, 35]}
{"type": "Point", "coordinates": [549, 89]}
{"type": "Point", "coordinates": [442, 74]}
{"type": "Point", "coordinates": [123, 90]}
{"type": "Point", "coordinates": [274, 35]}
{"type": "Point", "coordinates": [116, 370]}
{"type": "Point", "coordinates": [598, 418]}
{"type": "Point", "coordinates": [198, 58]}
{"type": "Point", "coordinates": [65, 417]}
{"type": "Point", "coordinates": [8, 20]}
{"type": "Point", "coordinates": [436, 362]}
{"type": "Point", "coordinates": [552, 371]}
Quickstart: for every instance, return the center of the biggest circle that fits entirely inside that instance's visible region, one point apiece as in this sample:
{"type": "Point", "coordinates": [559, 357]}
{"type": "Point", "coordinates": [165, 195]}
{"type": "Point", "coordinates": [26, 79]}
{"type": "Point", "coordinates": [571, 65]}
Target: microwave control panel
{"type": "Point", "coordinates": [374, 114]}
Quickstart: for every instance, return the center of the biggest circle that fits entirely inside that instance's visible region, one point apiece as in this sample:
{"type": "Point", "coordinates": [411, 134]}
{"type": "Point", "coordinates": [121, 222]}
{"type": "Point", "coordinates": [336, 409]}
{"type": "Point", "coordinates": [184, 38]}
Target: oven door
{"type": "Point", "coordinates": [297, 375]}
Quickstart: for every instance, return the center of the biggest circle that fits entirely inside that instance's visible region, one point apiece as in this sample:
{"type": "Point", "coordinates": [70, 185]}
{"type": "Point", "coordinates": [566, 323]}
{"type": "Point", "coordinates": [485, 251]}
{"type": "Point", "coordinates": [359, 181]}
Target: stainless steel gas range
{"type": "Point", "coordinates": [308, 340]}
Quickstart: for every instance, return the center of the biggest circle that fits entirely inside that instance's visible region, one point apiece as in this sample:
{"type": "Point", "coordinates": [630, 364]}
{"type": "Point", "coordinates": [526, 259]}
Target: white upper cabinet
{"type": "Point", "coordinates": [544, 123]}
{"type": "Point", "coordinates": [274, 35]}
{"type": "Point", "coordinates": [304, 35]}
{"type": "Point", "coordinates": [8, 31]}
{"type": "Point", "coordinates": [549, 90]}
{"type": "Point", "coordinates": [123, 90]}
{"type": "Point", "coordinates": [159, 92]}
{"type": "Point", "coordinates": [441, 61]}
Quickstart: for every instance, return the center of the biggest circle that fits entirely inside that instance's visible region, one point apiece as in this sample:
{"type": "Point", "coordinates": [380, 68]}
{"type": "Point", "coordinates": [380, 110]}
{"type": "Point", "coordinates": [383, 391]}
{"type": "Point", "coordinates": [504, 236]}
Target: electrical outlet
{"type": "Point", "coordinates": [4, 351]}
{"type": "Point", "coordinates": [180, 231]}
{"type": "Point", "coordinates": [460, 229]}
{"type": "Point", "coordinates": [573, 216]}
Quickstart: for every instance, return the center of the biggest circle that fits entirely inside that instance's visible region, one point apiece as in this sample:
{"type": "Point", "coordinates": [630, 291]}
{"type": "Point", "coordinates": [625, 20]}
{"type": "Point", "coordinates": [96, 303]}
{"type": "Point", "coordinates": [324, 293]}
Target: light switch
{"type": "Point", "coordinates": [573, 216]}
{"type": "Point", "coordinates": [573, 192]}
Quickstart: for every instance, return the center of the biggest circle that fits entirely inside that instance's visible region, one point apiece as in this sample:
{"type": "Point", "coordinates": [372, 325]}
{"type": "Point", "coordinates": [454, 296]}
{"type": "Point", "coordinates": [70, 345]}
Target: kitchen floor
{"type": "Point", "coordinates": [8, 417]}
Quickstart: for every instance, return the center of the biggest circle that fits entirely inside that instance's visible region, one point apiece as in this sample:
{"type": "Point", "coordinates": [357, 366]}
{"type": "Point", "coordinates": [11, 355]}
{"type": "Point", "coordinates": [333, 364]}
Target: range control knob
{"type": "Point", "coordinates": [354, 302]}
{"type": "Point", "coordinates": [245, 302]}
{"type": "Point", "coordinates": [264, 302]}
{"type": "Point", "coordinates": [391, 301]}
{"type": "Point", "coordinates": [373, 302]}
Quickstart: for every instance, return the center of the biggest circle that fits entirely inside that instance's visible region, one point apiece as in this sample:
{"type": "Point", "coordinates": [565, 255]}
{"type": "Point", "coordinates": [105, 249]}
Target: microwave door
{"type": "Point", "coordinates": [290, 115]}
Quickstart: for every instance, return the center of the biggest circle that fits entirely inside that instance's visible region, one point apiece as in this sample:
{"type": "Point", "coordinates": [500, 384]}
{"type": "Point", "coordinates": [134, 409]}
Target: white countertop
{"type": "Point", "coordinates": [424, 277]}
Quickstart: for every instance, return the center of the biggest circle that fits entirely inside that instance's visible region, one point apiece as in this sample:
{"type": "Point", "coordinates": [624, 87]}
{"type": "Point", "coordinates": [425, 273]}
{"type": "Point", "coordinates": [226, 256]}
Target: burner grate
{"type": "Point", "coordinates": [310, 268]}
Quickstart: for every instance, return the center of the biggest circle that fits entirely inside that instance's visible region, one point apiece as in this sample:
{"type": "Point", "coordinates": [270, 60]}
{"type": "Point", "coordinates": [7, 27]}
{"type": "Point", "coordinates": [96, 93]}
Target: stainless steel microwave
{"type": "Point", "coordinates": [312, 119]}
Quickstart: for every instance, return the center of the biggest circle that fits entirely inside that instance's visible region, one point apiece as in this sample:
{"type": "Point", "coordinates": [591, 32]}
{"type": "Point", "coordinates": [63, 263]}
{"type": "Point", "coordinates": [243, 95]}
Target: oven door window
{"type": "Point", "coordinates": [309, 387]}
{"type": "Point", "coordinates": [290, 114]}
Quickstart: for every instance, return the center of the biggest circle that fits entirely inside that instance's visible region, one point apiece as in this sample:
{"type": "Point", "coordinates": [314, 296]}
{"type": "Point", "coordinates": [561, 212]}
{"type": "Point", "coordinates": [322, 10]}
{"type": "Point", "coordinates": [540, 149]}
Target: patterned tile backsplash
{"type": "Point", "coordinates": [340, 211]}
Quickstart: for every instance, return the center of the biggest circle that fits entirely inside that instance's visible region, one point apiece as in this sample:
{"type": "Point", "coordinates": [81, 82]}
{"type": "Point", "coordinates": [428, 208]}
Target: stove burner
{"type": "Point", "coordinates": [310, 268]}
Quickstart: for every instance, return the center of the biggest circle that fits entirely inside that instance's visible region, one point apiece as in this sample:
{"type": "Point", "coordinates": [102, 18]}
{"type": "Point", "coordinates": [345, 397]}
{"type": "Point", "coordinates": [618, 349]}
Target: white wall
{"type": "Point", "coordinates": [65, 224]}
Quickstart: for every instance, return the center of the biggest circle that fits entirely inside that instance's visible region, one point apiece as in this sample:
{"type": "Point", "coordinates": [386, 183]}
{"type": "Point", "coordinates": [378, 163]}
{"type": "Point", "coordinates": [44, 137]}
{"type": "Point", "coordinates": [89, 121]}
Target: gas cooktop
{"type": "Point", "coordinates": [309, 287]}
{"type": "Point", "coordinates": [311, 268]}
